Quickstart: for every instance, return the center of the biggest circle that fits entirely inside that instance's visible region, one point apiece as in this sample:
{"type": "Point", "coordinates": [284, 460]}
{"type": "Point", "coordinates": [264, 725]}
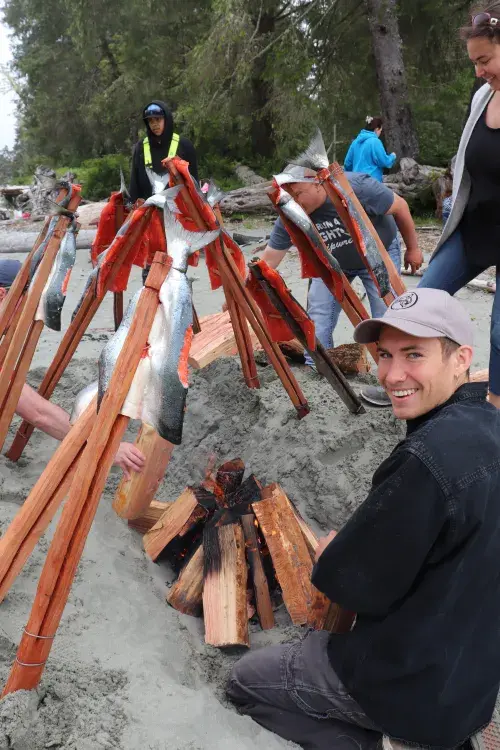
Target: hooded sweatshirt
{"type": "Point", "coordinates": [140, 186]}
{"type": "Point", "coordinates": [367, 154]}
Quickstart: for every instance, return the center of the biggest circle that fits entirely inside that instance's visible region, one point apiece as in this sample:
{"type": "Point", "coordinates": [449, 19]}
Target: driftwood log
{"type": "Point", "coordinates": [413, 179]}
{"type": "Point", "coordinates": [249, 200]}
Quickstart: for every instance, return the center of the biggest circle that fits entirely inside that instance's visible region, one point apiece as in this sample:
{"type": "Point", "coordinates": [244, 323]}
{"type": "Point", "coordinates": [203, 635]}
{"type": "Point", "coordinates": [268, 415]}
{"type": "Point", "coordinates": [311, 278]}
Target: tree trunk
{"type": "Point", "coordinates": [391, 76]}
{"type": "Point", "coordinates": [261, 129]}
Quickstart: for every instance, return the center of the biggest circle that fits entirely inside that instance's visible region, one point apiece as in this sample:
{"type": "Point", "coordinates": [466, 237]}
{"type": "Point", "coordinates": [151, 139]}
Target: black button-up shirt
{"type": "Point", "coordinates": [419, 562]}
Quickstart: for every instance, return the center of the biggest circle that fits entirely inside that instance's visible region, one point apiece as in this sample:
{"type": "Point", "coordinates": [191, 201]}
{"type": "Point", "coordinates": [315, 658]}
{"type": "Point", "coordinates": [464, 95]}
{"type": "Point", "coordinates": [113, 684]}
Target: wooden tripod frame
{"type": "Point", "coordinates": [90, 474]}
{"type": "Point", "coordinates": [74, 333]}
{"type": "Point", "coordinates": [27, 331]}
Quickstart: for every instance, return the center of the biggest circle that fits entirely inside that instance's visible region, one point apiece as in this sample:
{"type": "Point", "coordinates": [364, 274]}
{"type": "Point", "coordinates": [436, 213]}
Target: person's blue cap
{"type": "Point", "coordinates": [8, 271]}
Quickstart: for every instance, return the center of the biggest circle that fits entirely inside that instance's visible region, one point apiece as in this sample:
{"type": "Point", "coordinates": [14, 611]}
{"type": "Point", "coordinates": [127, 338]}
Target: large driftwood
{"type": "Point", "coordinates": [413, 178]}
{"type": "Point", "coordinates": [248, 200]}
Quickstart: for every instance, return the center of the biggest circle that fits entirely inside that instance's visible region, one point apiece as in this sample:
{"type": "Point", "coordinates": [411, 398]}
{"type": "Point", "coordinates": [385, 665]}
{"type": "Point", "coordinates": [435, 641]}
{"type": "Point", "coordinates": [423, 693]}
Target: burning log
{"type": "Point", "coordinates": [186, 595]}
{"type": "Point", "coordinates": [134, 495]}
{"type": "Point", "coordinates": [179, 518]}
{"type": "Point", "coordinates": [230, 476]}
{"type": "Point", "coordinates": [225, 586]}
{"type": "Point", "coordinates": [291, 558]}
{"type": "Point", "coordinates": [149, 518]}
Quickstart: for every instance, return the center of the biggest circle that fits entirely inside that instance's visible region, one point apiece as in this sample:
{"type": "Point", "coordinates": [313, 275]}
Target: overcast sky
{"type": "Point", "coordinates": [7, 101]}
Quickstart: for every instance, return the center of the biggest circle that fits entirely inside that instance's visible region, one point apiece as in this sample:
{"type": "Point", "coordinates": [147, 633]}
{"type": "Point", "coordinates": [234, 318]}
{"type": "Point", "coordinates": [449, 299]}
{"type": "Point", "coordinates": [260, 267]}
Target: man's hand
{"type": "Point", "coordinates": [413, 259]}
{"type": "Point", "coordinates": [129, 458]}
{"type": "Point", "coordinates": [323, 543]}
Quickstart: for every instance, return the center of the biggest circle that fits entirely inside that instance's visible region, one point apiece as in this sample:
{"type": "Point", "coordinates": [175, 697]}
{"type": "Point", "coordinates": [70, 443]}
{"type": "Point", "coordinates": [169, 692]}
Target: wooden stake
{"type": "Point", "coordinates": [151, 515]}
{"type": "Point", "coordinates": [225, 586]}
{"type": "Point", "coordinates": [76, 329]}
{"type": "Point", "coordinates": [10, 378]}
{"type": "Point", "coordinates": [79, 511]}
{"type": "Point", "coordinates": [15, 298]}
{"type": "Point", "coordinates": [179, 518]}
{"type": "Point", "coordinates": [39, 508]}
{"type": "Point", "coordinates": [134, 495]}
{"type": "Point", "coordinates": [259, 578]}
{"type": "Point", "coordinates": [338, 174]}
{"type": "Point", "coordinates": [186, 594]}
{"type": "Point", "coordinates": [291, 558]}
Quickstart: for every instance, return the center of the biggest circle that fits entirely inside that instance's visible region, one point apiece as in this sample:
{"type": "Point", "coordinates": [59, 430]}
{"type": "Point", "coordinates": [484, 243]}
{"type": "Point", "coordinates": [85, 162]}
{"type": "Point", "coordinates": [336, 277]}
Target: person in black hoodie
{"type": "Point", "coordinates": [159, 143]}
{"type": "Point", "coordinates": [418, 562]}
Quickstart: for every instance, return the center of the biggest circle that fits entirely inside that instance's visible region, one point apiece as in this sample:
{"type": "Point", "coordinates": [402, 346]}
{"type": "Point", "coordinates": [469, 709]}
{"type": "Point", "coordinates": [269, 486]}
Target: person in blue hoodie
{"type": "Point", "coordinates": [367, 154]}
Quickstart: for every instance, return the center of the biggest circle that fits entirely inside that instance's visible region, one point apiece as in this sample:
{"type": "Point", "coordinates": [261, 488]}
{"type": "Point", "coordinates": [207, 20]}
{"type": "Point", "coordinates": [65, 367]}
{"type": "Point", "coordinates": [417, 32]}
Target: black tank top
{"type": "Point", "coordinates": [480, 225]}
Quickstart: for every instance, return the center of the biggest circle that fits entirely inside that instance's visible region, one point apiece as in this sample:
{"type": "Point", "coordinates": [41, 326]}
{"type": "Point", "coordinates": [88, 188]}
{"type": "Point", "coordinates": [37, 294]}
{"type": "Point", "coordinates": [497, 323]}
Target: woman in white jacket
{"type": "Point", "coordinates": [470, 242]}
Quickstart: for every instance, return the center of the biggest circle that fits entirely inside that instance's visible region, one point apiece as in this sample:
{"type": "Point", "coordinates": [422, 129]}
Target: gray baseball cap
{"type": "Point", "coordinates": [427, 313]}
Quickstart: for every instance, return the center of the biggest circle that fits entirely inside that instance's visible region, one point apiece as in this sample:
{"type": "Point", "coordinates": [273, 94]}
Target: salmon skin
{"type": "Point", "coordinates": [315, 157]}
{"type": "Point", "coordinates": [214, 194]}
{"type": "Point", "coordinates": [54, 293]}
{"type": "Point", "coordinates": [59, 209]}
{"type": "Point", "coordinates": [159, 389]}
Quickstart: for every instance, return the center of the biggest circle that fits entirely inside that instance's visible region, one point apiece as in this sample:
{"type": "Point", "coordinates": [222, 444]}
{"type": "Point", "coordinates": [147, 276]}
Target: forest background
{"type": "Point", "coordinates": [247, 80]}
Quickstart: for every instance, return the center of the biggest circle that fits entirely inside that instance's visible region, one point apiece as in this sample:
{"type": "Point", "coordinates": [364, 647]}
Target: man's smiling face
{"type": "Point", "coordinates": [417, 373]}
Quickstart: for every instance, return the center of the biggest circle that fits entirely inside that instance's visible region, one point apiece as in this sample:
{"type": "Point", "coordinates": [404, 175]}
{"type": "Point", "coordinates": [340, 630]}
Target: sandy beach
{"type": "Point", "coordinates": [126, 671]}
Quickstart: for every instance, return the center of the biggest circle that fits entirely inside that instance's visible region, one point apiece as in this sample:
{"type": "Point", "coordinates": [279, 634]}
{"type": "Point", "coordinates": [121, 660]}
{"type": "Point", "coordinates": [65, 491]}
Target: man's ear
{"type": "Point", "coordinates": [463, 359]}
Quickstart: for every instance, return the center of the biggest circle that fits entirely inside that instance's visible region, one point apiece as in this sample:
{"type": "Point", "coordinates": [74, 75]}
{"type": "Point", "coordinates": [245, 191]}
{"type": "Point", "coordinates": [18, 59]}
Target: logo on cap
{"type": "Point", "coordinates": [405, 301]}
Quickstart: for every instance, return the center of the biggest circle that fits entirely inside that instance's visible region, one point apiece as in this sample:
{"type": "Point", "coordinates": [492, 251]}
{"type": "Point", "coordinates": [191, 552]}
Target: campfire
{"type": "Point", "coordinates": [238, 547]}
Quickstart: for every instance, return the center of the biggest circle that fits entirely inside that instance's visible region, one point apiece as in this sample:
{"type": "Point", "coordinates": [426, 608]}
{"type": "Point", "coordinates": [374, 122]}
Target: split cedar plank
{"type": "Point", "coordinates": [19, 378]}
{"type": "Point", "coordinates": [61, 564]}
{"type": "Point", "coordinates": [289, 552]}
{"type": "Point", "coordinates": [186, 594]}
{"type": "Point", "coordinates": [179, 517]}
{"type": "Point", "coordinates": [72, 337]}
{"type": "Point", "coordinates": [254, 316]}
{"type": "Point", "coordinates": [37, 511]}
{"type": "Point", "coordinates": [78, 513]}
{"type": "Point", "coordinates": [238, 320]}
{"type": "Point", "coordinates": [396, 281]}
{"type": "Point", "coordinates": [151, 515]}
{"type": "Point", "coordinates": [225, 586]}
{"type": "Point", "coordinates": [65, 351]}
{"type": "Point", "coordinates": [16, 296]}
{"type": "Point", "coordinates": [259, 578]}
{"type": "Point", "coordinates": [242, 332]}
{"type": "Point", "coordinates": [323, 613]}
{"type": "Point", "coordinates": [134, 495]}
{"type": "Point", "coordinates": [8, 380]}
{"type": "Point", "coordinates": [4, 346]}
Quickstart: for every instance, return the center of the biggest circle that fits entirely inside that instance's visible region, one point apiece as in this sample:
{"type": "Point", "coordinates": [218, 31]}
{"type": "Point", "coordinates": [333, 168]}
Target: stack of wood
{"type": "Point", "coordinates": [239, 547]}
{"type": "Point", "coordinates": [216, 339]}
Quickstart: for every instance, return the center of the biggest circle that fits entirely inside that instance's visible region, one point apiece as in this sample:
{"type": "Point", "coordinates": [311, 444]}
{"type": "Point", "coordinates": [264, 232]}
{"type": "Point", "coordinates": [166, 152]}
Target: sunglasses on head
{"type": "Point", "coordinates": [485, 19]}
{"type": "Point", "coordinates": [154, 111]}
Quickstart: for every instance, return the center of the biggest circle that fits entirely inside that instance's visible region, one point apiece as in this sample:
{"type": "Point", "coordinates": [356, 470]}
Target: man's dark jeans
{"type": "Point", "coordinates": [293, 691]}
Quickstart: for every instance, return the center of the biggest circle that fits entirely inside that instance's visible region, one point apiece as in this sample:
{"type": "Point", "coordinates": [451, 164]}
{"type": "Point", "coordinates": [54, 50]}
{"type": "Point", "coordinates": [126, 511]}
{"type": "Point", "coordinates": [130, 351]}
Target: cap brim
{"type": "Point", "coordinates": [368, 332]}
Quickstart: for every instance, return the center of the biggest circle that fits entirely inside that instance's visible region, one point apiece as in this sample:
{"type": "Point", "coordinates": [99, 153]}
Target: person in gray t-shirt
{"type": "Point", "coordinates": [388, 213]}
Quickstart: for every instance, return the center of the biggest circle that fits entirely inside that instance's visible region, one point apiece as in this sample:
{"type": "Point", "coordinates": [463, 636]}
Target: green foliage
{"type": "Point", "coordinates": [99, 177]}
{"type": "Point", "coordinates": [247, 80]}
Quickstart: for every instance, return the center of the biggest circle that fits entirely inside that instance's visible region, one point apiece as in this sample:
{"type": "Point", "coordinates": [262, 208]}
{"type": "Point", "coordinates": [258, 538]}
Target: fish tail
{"type": "Point", "coordinates": [214, 194]}
{"type": "Point", "coordinates": [194, 240]}
{"type": "Point", "coordinates": [315, 156]}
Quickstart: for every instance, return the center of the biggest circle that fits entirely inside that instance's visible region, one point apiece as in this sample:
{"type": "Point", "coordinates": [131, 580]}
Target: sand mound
{"type": "Point", "coordinates": [126, 671]}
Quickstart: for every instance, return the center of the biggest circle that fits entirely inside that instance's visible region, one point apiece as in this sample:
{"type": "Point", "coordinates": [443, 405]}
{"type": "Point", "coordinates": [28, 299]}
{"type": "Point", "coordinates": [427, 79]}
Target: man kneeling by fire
{"type": "Point", "coordinates": [419, 564]}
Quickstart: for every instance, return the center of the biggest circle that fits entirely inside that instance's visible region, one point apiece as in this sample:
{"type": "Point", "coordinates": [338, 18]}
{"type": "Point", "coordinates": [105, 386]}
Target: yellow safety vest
{"type": "Point", "coordinates": [174, 145]}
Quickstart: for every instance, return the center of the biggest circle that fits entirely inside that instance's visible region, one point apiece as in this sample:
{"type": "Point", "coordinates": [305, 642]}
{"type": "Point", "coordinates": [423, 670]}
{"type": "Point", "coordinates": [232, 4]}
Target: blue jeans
{"type": "Point", "coordinates": [451, 270]}
{"type": "Point", "coordinates": [324, 310]}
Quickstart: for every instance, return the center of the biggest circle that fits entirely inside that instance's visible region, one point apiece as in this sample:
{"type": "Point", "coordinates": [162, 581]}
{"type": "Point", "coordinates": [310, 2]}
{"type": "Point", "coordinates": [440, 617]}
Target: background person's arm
{"type": "Point", "coordinates": [401, 211]}
{"type": "Point", "coordinates": [54, 421]}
